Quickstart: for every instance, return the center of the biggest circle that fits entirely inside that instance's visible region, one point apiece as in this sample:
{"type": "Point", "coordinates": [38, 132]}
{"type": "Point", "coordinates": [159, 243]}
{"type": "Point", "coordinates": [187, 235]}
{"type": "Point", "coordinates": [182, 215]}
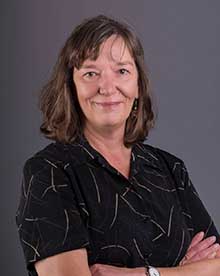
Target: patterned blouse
{"type": "Point", "coordinates": [71, 198]}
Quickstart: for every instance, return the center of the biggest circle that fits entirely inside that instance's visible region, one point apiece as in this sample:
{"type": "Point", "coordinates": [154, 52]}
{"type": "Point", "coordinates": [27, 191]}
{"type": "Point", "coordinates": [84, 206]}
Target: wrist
{"type": "Point", "coordinates": [138, 271]}
{"type": "Point", "coordinates": [151, 271]}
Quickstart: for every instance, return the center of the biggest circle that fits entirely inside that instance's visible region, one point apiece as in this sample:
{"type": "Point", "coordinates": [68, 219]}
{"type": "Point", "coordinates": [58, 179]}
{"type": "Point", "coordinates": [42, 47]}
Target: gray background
{"type": "Point", "coordinates": [181, 41]}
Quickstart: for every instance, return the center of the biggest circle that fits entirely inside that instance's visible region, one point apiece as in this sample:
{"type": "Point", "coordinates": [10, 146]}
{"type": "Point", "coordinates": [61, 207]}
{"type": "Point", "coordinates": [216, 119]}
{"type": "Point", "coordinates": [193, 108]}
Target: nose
{"type": "Point", "coordinates": [106, 84]}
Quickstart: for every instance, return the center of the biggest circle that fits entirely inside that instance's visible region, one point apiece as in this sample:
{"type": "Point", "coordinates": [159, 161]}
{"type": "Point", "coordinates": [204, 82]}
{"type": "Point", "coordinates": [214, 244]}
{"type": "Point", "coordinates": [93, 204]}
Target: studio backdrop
{"type": "Point", "coordinates": [181, 41]}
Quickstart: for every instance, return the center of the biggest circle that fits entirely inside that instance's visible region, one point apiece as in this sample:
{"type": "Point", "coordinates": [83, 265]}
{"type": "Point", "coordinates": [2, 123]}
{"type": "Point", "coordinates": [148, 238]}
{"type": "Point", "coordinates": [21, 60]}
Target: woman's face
{"type": "Point", "coordinates": [106, 87]}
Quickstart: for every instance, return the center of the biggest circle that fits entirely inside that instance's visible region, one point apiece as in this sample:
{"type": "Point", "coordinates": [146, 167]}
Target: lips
{"type": "Point", "coordinates": [107, 103]}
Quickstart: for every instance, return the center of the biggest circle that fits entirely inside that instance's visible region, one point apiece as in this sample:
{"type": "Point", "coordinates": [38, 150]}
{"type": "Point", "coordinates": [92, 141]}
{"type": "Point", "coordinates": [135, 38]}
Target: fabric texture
{"type": "Point", "coordinates": [71, 197]}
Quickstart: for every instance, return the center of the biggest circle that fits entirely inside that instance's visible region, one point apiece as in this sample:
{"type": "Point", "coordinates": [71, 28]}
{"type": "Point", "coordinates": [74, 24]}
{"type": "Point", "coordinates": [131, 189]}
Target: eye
{"type": "Point", "coordinates": [90, 74]}
{"type": "Point", "coordinates": [123, 71]}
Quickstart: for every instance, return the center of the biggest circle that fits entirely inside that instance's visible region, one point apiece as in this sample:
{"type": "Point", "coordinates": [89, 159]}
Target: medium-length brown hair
{"type": "Point", "coordinates": [63, 119]}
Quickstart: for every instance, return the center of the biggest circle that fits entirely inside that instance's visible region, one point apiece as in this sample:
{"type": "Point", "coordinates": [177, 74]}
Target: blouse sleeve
{"type": "Point", "coordinates": [48, 217]}
{"type": "Point", "coordinates": [194, 210]}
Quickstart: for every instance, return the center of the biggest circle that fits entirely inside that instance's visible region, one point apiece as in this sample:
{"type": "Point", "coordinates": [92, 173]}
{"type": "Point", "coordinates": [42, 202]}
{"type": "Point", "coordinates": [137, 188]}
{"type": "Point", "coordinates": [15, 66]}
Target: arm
{"type": "Point", "coordinates": [75, 262]}
{"type": "Point", "coordinates": [71, 263]}
{"type": "Point", "coordinates": [199, 218]}
{"type": "Point", "coordinates": [201, 248]}
{"type": "Point", "coordinates": [49, 220]}
{"type": "Point", "coordinates": [201, 268]}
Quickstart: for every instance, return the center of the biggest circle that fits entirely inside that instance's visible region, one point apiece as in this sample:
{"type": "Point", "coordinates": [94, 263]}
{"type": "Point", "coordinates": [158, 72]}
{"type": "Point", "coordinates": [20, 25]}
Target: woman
{"type": "Point", "coordinates": [98, 201]}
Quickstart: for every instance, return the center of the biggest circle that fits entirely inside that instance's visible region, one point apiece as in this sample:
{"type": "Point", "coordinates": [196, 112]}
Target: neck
{"type": "Point", "coordinates": [106, 140]}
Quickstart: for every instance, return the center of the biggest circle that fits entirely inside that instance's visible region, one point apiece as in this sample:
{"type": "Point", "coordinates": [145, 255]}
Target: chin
{"type": "Point", "coordinates": [112, 124]}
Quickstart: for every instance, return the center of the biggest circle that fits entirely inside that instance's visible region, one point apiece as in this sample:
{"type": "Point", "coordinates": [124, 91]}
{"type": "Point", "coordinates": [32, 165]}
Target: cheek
{"type": "Point", "coordinates": [135, 89]}
{"type": "Point", "coordinates": [86, 91]}
{"type": "Point", "coordinates": [131, 89]}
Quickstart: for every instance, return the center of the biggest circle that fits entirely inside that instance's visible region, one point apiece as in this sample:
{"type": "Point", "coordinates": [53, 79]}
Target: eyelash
{"type": "Point", "coordinates": [91, 74]}
{"type": "Point", "coordinates": [124, 70]}
{"type": "Point", "coordinates": [88, 74]}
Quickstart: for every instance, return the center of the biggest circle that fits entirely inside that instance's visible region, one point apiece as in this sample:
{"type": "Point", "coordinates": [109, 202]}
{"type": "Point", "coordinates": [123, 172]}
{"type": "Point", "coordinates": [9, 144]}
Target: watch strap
{"type": "Point", "coordinates": [153, 271]}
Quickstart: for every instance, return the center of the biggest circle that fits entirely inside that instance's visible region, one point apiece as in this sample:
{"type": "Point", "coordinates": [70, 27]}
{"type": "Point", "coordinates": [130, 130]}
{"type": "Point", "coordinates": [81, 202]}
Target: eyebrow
{"type": "Point", "coordinates": [125, 63]}
{"type": "Point", "coordinates": [93, 66]}
{"type": "Point", "coordinates": [88, 66]}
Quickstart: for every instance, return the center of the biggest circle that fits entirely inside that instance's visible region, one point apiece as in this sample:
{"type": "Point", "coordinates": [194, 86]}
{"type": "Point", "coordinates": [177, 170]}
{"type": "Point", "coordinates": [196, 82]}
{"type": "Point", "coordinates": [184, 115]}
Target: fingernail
{"type": "Point", "coordinates": [212, 255]}
{"type": "Point", "coordinates": [212, 238]}
{"type": "Point", "coordinates": [216, 246]}
{"type": "Point", "coordinates": [200, 234]}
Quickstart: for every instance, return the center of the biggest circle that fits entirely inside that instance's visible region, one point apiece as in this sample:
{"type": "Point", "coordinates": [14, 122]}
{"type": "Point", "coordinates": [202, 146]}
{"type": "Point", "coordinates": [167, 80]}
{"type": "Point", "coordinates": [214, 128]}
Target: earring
{"type": "Point", "coordinates": [135, 105]}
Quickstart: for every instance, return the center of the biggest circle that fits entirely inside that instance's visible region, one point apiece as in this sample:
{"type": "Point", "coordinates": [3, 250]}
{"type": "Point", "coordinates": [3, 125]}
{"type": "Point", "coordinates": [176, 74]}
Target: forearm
{"type": "Point", "coordinates": [201, 268]}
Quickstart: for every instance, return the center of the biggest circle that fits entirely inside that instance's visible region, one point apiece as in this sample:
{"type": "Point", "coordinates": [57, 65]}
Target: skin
{"type": "Point", "coordinates": [106, 89]}
{"type": "Point", "coordinates": [199, 249]}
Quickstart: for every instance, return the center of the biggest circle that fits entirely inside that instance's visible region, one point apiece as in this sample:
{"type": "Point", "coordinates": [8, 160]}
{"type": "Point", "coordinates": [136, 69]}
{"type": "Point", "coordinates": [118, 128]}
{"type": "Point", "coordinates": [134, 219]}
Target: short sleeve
{"type": "Point", "coordinates": [48, 216]}
{"type": "Point", "coordinates": [195, 212]}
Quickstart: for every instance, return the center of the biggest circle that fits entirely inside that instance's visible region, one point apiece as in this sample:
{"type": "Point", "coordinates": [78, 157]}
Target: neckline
{"type": "Point", "coordinates": [143, 156]}
{"type": "Point", "coordinates": [95, 154]}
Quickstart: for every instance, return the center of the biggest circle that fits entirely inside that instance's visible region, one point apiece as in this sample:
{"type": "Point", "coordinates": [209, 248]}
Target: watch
{"type": "Point", "coordinates": [152, 271]}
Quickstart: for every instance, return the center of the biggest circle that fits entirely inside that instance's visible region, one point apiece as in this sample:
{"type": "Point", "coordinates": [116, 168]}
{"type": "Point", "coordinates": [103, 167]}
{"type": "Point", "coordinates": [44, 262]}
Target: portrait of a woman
{"type": "Point", "coordinates": [99, 200]}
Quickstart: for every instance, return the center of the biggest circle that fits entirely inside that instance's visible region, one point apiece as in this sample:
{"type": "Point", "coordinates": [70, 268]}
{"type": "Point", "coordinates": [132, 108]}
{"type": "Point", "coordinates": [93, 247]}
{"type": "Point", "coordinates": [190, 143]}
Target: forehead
{"type": "Point", "coordinates": [113, 49]}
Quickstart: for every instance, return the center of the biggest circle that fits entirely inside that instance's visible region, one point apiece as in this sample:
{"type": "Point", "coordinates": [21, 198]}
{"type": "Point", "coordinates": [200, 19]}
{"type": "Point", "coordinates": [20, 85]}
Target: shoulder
{"type": "Point", "coordinates": [170, 157]}
{"type": "Point", "coordinates": [52, 155]}
{"type": "Point", "coordinates": [56, 155]}
{"type": "Point", "coordinates": [161, 156]}
{"type": "Point", "coordinates": [46, 179]}
{"type": "Point", "coordinates": [171, 163]}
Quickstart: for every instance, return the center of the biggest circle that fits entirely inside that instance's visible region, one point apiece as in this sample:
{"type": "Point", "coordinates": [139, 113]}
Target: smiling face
{"type": "Point", "coordinates": [106, 87]}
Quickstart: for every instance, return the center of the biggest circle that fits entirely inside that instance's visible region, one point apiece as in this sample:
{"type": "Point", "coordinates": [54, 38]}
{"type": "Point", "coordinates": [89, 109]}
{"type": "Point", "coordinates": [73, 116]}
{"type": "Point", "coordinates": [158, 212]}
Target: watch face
{"type": "Point", "coordinates": [153, 271]}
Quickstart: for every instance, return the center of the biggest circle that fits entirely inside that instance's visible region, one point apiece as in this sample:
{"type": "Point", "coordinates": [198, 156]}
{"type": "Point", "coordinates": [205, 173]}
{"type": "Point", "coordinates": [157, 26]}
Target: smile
{"type": "Point", "coordinates": [108, 104]}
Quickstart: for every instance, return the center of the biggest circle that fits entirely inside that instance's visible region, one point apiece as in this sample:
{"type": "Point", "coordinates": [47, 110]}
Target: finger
{"type": "Point", "coordinates": [196, 239]}
{"type": "Point", "coordinates": [218, 253]}
{"type": "Point", "coordinates": [212, 256]}
{"type": "Point", "coordinates": [93, 268]}
{"type": "Point", "coordinates": [184, 261]}
{"type": "Point", "coordinates": [207, 253]}
{"type": "Point", "coordinates": [206, 243]}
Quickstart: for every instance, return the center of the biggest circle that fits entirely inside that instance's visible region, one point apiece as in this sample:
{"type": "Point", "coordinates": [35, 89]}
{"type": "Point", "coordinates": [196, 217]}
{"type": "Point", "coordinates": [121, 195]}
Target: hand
{"type": "Point", "coordinates": [109, 270]}
{"type": "Point", "coordinates": [201, 249]}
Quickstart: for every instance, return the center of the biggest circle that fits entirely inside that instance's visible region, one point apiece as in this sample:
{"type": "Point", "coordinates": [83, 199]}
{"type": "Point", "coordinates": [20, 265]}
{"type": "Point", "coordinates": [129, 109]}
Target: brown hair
{"type": "Point", "coordinates": [62, 115]}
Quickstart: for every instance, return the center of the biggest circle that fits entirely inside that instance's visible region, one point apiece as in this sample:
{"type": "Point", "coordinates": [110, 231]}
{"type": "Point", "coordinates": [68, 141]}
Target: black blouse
{"type": "Point", "coordinates": [73, 198]}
